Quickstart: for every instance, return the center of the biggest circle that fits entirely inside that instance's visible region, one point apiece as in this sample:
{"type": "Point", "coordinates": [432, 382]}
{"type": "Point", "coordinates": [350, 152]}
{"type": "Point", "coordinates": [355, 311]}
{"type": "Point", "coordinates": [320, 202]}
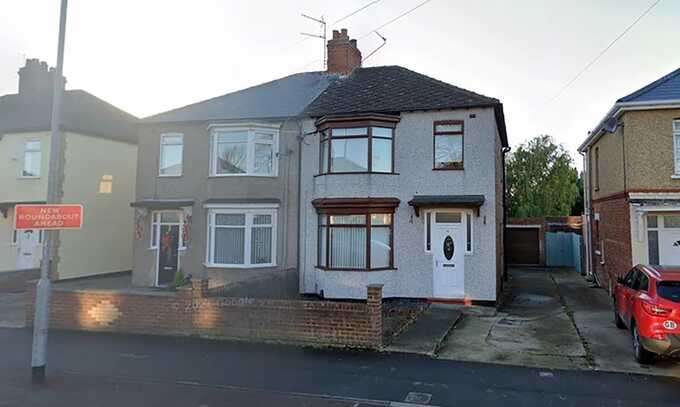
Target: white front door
{"type": "Point", "coordinates": [448, 254]}
{"type": "Point", "coordinates": [27, 249]}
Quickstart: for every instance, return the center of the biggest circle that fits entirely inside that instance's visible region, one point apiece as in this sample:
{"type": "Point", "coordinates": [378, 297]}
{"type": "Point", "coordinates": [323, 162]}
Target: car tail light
{"type": "Point", "coordinates": [653, 309]}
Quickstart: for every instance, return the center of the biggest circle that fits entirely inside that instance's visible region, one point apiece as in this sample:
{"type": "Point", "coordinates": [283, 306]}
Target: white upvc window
{"type": "Point", "coordinates": [241, 237]}
{"type": "Point", "coordinates": [32, 159]}
{"type": "Point", "coordinates": [171, 152]}
{"type": "Point", "coordinates": [676, 143]}
{"type": "Point", "coordinates": [244, 151]}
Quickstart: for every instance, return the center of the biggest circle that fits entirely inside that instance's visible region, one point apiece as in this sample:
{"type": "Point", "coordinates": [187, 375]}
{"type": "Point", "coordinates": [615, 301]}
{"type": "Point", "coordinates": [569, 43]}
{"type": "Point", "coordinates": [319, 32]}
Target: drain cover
{"type": "Point", "coordinates": [418, 398]}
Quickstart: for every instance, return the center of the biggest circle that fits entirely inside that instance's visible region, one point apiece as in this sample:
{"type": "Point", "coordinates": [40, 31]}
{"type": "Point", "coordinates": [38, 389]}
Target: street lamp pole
{"type": "Point", "coordinates": [42, 300]}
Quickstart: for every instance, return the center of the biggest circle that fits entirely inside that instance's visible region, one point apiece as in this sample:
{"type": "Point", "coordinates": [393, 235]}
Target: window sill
{"type": "Point", "coordinates": [675, 176]}
{"type": "Point", "coordinates": [449, 169]}
{"type": "Point", "coordinates": [169, 176]}
{"type": "Point", "coordinates": [26, 177]}
{"type": "Point", "coordinates": [357, 270]}
{"type": "Point", "coordinates": [238, 266]}
{"type": "Point", "coordinates": [356, 173]}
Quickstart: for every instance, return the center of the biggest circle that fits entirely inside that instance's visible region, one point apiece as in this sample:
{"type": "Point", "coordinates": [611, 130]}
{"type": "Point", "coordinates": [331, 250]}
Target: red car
{"type": "Point", "coordinates": [647, 301]}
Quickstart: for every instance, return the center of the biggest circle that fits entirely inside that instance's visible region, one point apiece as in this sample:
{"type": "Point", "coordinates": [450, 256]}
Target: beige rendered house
{"type": "Point", "coordinates": [632, 162]}
{"type": "Point", "coordinates": [100, 153]}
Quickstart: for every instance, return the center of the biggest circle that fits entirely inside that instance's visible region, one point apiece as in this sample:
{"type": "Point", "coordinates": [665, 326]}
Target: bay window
{"type": "Point", "coordinates": [241, 237]}
{"type": "Point", "coordinates": [244, 151]}
{"type": "Point", "coordinates": [448, 145]}
{"type": "Point", "coordinates": [355, 234]}
{"type": "Point", "coordinates": [357, 146]}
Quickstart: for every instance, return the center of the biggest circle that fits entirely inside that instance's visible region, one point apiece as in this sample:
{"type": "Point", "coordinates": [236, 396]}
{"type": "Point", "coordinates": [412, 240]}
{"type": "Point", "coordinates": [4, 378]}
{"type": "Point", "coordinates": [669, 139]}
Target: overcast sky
{"type": "Point", "coordinates": [147, 56]}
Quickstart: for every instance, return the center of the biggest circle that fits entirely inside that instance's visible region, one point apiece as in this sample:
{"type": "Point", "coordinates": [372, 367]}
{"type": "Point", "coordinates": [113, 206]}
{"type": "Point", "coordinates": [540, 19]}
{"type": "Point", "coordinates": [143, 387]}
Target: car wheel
{"type": "Point", "coordinates": [617, 319]}
{"type": "Point", "coordinates": [642, 355]}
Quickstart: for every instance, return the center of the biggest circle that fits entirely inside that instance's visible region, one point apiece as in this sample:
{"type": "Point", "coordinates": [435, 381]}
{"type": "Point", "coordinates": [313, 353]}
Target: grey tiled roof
{"type": "Point", "coordinates": [665, 88]}
{"type": "Point", "coordinates": [392, 89]}
{"type": "Point", "coordinates": [280, 98]}
{"type": "Point", "coordinates": [82, 113]}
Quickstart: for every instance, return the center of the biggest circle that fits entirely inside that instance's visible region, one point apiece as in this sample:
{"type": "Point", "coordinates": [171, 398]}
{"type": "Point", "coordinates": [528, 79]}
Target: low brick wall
{"type": "Point", "coordinates": [189, 312]}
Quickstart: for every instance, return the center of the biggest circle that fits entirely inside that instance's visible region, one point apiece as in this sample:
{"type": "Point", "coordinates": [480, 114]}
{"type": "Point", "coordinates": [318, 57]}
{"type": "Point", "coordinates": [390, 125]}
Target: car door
{"type": "Point", "coordinates": [622, 293]}
{"type": "Point", "coordinates": [631, 291]}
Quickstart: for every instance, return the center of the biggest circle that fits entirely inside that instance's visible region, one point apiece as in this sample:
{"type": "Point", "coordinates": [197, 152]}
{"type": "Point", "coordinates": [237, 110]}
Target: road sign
{"type": "Point", "coordinates": [48, 217]}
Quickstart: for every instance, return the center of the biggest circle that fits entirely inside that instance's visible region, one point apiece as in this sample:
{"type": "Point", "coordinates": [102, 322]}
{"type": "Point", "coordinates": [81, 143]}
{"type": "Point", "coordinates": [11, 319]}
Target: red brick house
{"type": "Point", "coordinates": [632, 182]}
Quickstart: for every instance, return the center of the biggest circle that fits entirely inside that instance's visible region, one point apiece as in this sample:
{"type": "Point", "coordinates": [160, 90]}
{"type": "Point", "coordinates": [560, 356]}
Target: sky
{"type": "Point", "coordinates": [148, 56]}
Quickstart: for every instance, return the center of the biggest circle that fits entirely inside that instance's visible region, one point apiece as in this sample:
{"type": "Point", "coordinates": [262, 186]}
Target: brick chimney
{"type": "Point", "coordinates": [36, 79]}
{"type": "Point", "coordinates": [343, 54]}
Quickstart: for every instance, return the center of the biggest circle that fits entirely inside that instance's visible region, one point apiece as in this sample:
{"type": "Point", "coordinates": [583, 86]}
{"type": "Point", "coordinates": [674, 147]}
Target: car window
{"type": "Point", "coordinates": [643, 282]}
{"type": "Point", "coordinates": [628, 279]}
{"type": "Point", "coordinates": [669, 290]}
{"type": "Point", "coordinates": [635, 283]}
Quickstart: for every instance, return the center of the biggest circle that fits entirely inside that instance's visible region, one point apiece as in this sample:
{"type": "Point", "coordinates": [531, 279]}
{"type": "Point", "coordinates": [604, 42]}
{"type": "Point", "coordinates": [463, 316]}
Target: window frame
{"type": "Point", "coordinates": [456, 165]}
{"type": "Point", "coordinates": [325, 129]}
{"type": "Point", "coordinates": [26, 150]}
{"type": "Point", "coordinates": [249, 212]}
{"type": "Point", "coordinates": [252, 132]}
{"type": "Point", "coordinates": [367, 226]}
{"type": "Point", "coordinates": [162, 144]}
{"type": "Point", "coordinates": [676, 144]}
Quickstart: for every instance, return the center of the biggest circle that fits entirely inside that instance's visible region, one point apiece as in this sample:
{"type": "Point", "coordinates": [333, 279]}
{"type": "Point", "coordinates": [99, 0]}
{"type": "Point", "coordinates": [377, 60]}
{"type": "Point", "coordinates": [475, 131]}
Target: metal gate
{"type": "Point", "coordinates": [563, 250]}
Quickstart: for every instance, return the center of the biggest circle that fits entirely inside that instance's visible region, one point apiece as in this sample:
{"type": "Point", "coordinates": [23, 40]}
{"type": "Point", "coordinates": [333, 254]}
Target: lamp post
{"type": "Point", "coordinates": [42, 299]}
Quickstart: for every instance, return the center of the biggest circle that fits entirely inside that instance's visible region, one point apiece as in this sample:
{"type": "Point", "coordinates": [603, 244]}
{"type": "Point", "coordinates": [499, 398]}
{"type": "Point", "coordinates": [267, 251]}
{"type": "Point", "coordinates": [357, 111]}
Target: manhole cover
{"type": "Point", "coordinates": [418, 398]}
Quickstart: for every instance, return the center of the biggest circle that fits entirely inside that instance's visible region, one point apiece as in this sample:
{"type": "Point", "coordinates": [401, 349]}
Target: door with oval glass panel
{"type": "Point", "coordinates": [448, 255]}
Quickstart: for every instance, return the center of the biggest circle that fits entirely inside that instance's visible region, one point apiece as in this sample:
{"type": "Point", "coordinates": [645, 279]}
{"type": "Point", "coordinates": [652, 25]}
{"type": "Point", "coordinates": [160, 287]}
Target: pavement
{"type": "Point", "coordinates": [426, 334]}
{"type": "Point", "coordinates": [97, 369]}
{"type": "Point", "coordinates": [12, 310]}
{"type": "Point", "coordinates": [551, 318]}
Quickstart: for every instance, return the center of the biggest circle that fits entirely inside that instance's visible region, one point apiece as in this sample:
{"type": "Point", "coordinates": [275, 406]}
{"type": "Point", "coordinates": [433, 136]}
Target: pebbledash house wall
{"type": "Point", "coordinates": [197, 184]}
{"type": "Point", "coordinates": [636, 158]}
{"type": "Point", "coordinates": [413, 163]}
{"type": "Point", "coordinates": [189, 312]}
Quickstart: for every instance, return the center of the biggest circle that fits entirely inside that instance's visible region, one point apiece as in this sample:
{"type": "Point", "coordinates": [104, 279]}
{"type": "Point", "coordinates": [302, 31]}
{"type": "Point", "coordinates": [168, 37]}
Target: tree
{"type": "Point", "coordinates": [541, 179]}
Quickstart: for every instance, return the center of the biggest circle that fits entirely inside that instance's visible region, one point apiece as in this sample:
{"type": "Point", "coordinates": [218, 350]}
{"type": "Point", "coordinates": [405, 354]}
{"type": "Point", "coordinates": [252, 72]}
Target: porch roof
{"type": "Point", "coordinates": [162, 203]}
{"type": "Point", "coordinates": [446, 201]}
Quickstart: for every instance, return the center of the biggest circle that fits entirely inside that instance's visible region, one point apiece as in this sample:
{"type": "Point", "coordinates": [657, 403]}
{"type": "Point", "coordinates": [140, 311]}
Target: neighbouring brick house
{"type": "Point", "coordinates": [632, 163]}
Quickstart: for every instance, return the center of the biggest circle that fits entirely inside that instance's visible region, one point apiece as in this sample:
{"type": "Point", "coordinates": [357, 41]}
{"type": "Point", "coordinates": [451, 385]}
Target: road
{"type": "Point", "coordinates": [110, 370]}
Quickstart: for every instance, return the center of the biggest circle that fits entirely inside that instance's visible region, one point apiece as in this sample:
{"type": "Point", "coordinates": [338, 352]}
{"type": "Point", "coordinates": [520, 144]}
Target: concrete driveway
{"type": "Point", "coordinates": [551, 319]}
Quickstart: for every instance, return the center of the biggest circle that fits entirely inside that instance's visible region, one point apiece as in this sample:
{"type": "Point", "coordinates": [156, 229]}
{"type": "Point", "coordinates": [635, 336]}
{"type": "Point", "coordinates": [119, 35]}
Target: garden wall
{"type": "Point", "coordinates": [188, 311]}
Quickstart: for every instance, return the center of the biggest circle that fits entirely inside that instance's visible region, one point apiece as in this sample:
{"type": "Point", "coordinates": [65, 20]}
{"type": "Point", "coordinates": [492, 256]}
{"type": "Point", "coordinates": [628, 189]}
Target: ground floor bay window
{"type": "Point", "coordinates": [355, 238]}
{"type": "Point", "coordinates": [241, 237]}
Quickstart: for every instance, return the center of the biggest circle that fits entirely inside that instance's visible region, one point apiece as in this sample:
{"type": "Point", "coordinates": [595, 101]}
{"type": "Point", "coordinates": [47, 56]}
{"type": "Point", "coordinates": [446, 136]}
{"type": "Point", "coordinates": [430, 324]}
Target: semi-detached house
{"type": "Point", "coordinates": [99, 155]}
{"type": "Point", "coordinates": [632, 190]}
{"type": "Point", "coordinates": [340, 178]}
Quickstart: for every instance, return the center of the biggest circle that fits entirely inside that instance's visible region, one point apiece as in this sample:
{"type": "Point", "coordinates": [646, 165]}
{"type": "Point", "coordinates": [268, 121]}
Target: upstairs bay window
{"type": "Point", "coordinates": [448, 145]}
{"type": "Point", "coordinates": [362, 146]}
{"type": "Point", "coordinates": [244, 151]}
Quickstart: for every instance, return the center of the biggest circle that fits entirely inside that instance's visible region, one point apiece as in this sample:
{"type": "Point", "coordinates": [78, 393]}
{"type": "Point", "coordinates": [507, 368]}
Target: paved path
{"type": "Point", "coordinates": [426, 334]}
{"type": "Point", "coordinates": [12, 310]}
{"type": "Point", "coordinates": [113, 370]}
{"type": "Point", "coordinates": [553, 319]}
